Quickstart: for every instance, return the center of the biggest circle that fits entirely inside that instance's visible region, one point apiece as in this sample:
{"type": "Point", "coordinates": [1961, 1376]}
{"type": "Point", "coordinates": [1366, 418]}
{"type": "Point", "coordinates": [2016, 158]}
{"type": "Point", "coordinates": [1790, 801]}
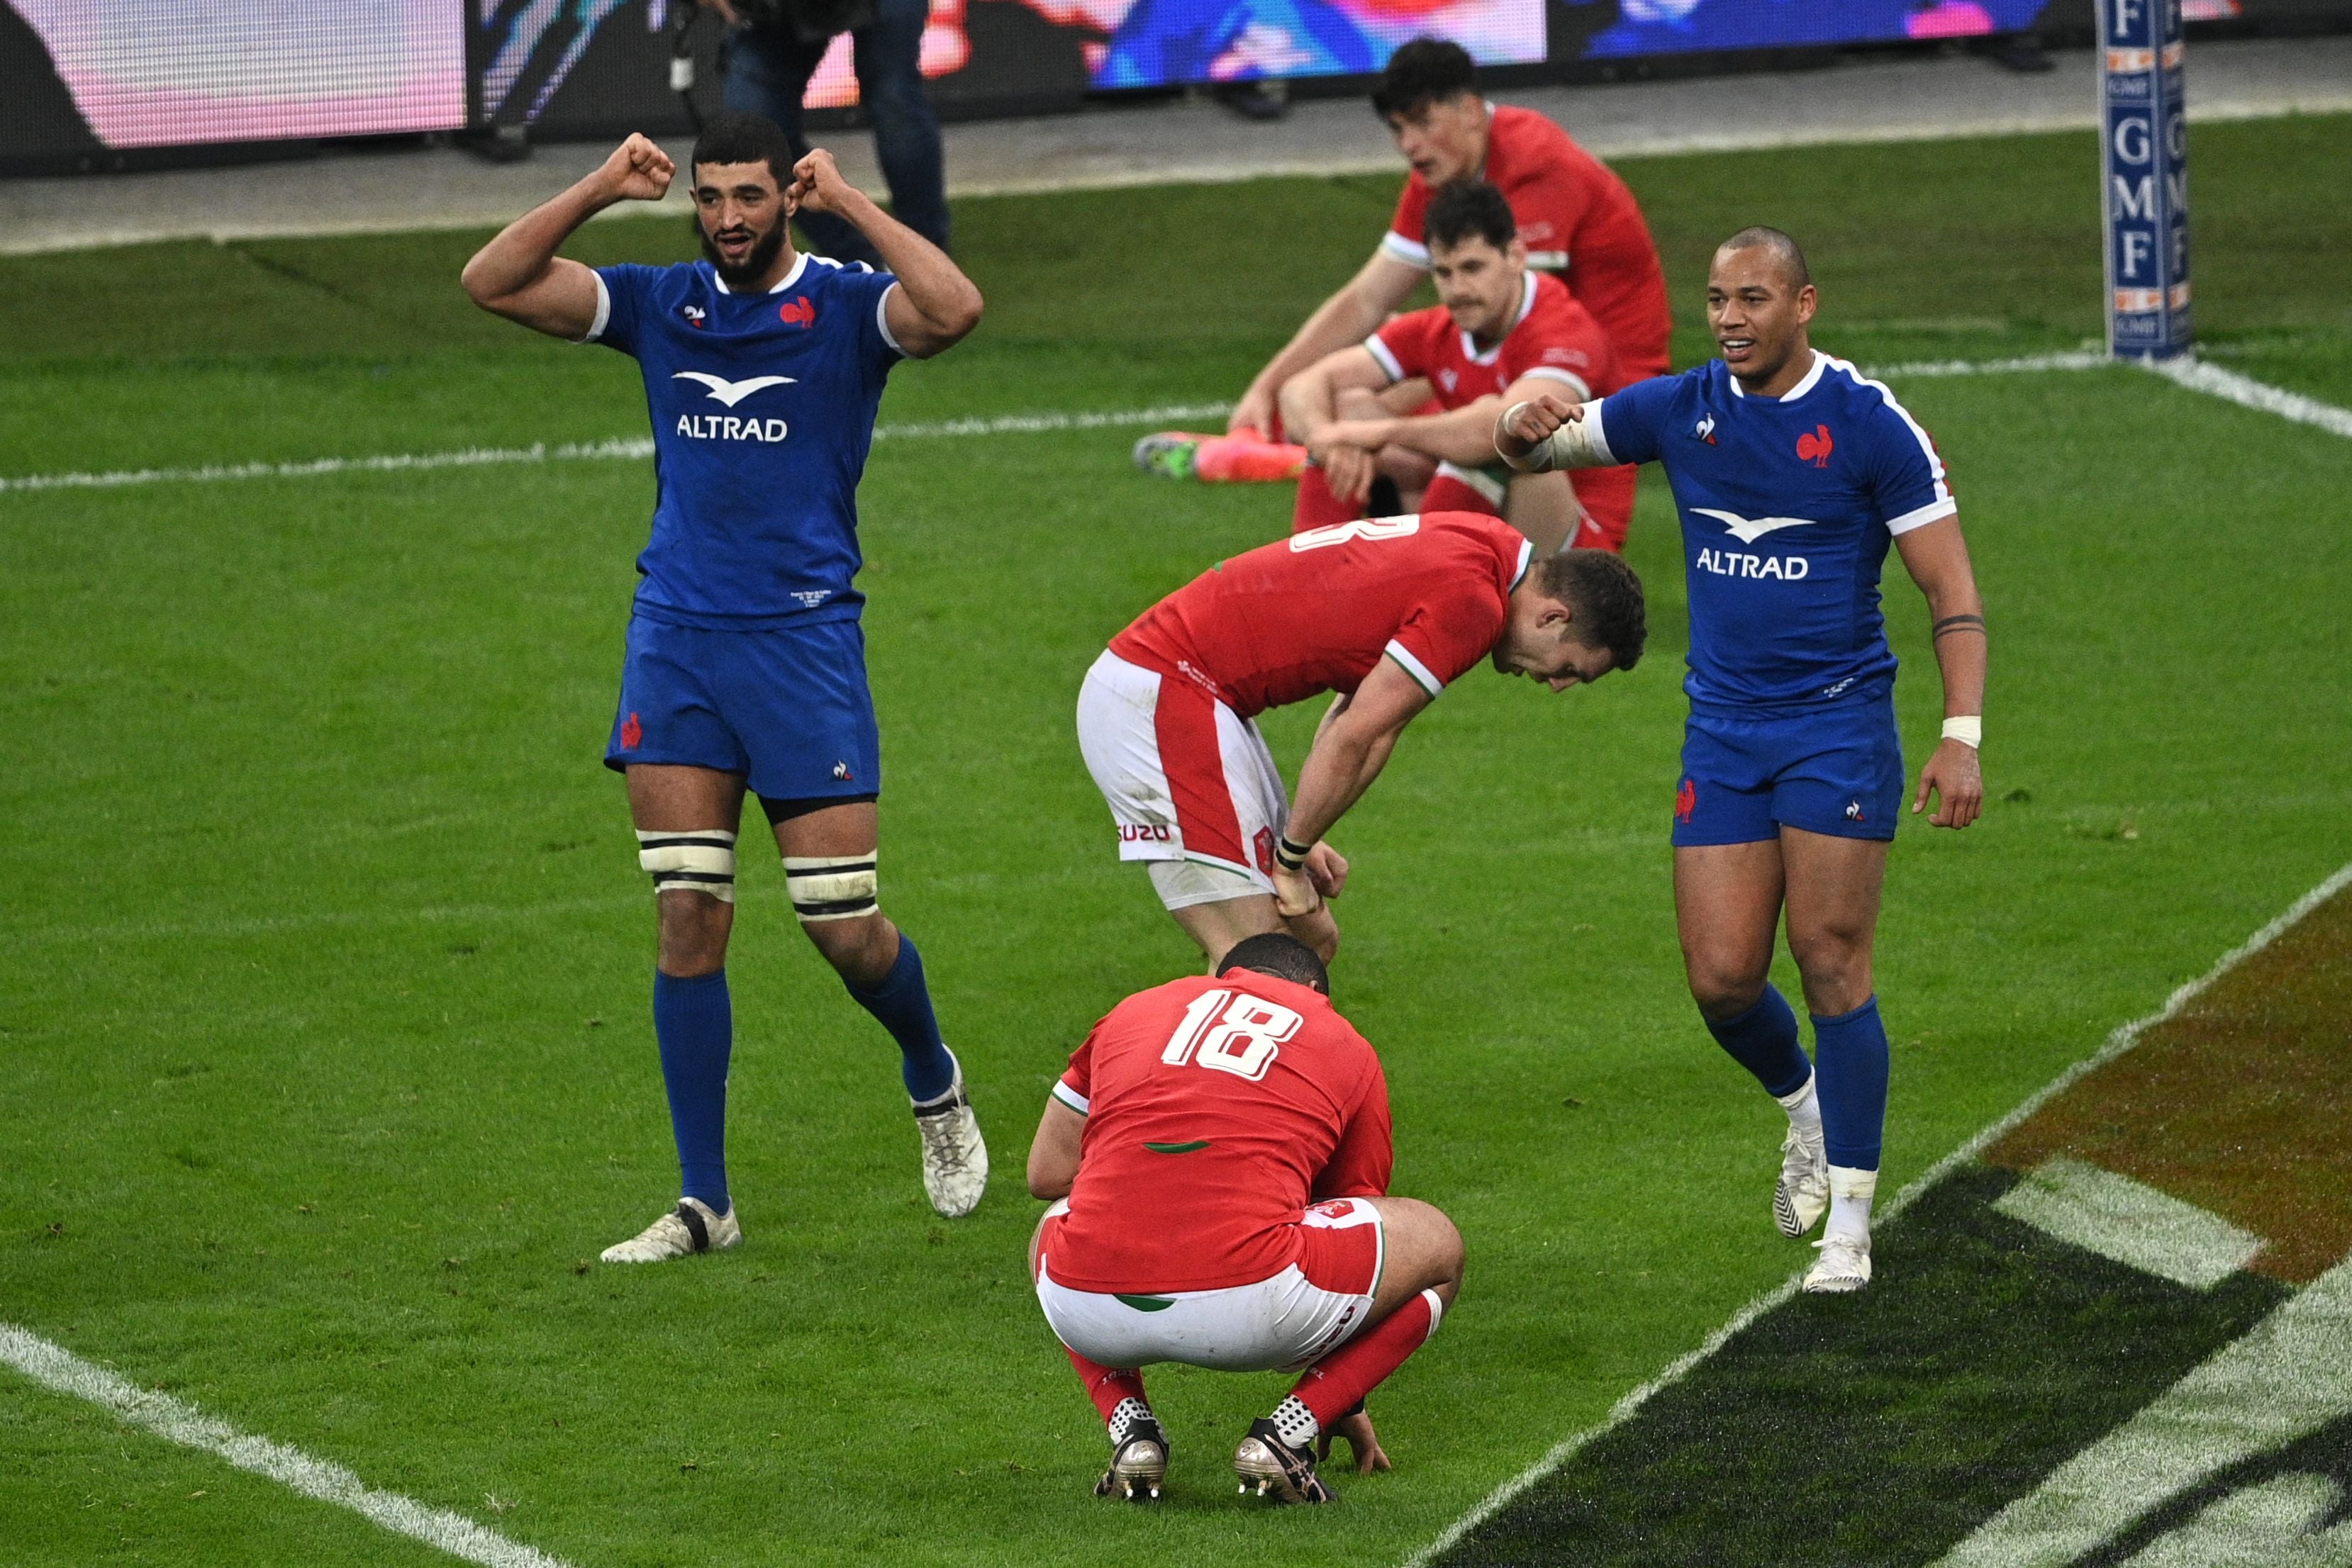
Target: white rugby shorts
{"type": "Point", "coordinates": [1276, 1324]}
{"type": "Point", "coordinates": [1187, 779]}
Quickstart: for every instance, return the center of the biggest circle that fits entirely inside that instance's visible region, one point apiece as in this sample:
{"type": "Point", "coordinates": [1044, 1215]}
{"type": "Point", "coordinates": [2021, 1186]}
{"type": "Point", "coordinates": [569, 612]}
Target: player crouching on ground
{"type": "Point", "coordinates": [1416, 401]}
{"type": "Point", "coordinates": [1386, 611]}
{"type": "Point", "coordinates": [1218, 1155]}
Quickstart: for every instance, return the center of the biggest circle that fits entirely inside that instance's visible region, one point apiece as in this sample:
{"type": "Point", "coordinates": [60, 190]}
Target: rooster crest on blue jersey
{"type": "Point", "coordinates": [753, 398]}
{"type": "Point", "coordinates": [1787, 507]}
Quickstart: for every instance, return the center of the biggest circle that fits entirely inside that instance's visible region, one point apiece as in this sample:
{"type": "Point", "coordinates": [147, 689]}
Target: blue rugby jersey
{"type": "Point", "coordinates": [762, 410]}
{"type": "Point", "coordinates": [1788, 506]}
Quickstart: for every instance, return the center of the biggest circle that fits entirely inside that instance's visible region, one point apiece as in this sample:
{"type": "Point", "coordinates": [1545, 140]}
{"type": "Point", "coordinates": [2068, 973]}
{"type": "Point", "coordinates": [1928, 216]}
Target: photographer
{"type": "Point", "coordinates": [774, 47]}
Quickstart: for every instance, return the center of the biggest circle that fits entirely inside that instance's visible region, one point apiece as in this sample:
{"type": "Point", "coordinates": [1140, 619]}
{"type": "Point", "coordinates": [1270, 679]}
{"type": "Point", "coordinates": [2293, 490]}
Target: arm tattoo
{"type": "Point", "coordinates": [1959, 624]}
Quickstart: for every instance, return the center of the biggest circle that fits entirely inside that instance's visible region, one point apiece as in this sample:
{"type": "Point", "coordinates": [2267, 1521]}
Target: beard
{"type": "Point", "coordinates": [762, 257]}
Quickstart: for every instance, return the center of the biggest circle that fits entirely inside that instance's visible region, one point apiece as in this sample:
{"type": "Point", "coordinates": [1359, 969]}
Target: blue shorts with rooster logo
{"type": "Point", "coordinates": [1747, 773]}
{"type": "Point", "coordinates": [788, 708]}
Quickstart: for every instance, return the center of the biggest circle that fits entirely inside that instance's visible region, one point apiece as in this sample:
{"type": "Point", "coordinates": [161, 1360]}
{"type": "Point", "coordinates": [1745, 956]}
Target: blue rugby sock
{"type": "Point", "coordinates": [1763, 1039]}
{"type": "Point", "coordinates": [695, 1022]}
{"type": "Point", "coordinates": [1851, 1047]}
{"type": "Point", "coordinates": [902, 1004]}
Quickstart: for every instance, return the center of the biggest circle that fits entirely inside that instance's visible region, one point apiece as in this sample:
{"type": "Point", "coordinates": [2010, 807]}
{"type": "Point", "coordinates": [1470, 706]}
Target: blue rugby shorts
{"type": "Point", "coordinates": [789, 708]}
{"type": "Point", "coordinates": [1836, 769]}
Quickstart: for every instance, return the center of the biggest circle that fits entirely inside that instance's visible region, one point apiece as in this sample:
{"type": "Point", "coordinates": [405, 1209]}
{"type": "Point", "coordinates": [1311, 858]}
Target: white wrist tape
{"type": "Point", "coordinates": [1969, 731]}
{"type": "Point", "coordinates": [1575, 445]}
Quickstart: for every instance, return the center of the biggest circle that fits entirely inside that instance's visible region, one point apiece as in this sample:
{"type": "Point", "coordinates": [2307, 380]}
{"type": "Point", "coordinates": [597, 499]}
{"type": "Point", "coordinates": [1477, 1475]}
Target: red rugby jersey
{"type": "Point", "coordinates": [1315, 612]}
{"type": "Point", "coordinates": [1217, 1110]}
{"type": "Point", "coordinates": [1578, 218]}
{"type": "Point", "coordinates": [1552, 336]}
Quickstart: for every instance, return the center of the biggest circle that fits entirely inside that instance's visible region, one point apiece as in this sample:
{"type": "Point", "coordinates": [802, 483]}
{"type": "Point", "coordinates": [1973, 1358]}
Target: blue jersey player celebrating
{"type": "Point", "coordinates": [745, 665]}
{"type": "Point", "coordinates": [1793, 472]}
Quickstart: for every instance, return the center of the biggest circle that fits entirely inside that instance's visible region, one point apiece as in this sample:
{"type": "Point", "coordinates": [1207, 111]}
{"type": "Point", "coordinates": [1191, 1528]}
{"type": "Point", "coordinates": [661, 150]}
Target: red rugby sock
{"type": "Point", "coordinates": [1334, 1386]}
{"type": "Point", "coordinates": [1107, 1385]}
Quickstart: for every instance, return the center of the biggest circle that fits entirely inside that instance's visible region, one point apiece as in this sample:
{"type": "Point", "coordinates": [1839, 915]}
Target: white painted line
{"type": "Point", "coordinates": [639, 447]}
{"type": "Point", "coordinates": [61, 1369]}
{"type": "Point", "coordinates": [2289, 1376]}
{"type": "Point", "coordinates": [2193, 373]}
{"type": "Point", "coordinates": [2028, 364]}
{"type": "Point", "coordinates": [2130, 1222]}
{"type": "Point", "coordinates": [214, 473]}
{"type": "Point", "coordinates": [2121, 1041]}
{"type": "Point", "coordinates": [2199, 375]}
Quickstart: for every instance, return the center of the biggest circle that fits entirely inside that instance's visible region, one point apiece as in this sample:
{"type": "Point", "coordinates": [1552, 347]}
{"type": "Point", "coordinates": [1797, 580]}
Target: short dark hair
{"type": "Point", "coordinates": [1469, 209]}
{"type": "Point", "coordinates": [1281, 955]}
{"type": "Point", "coordinates": [1607, 598]}
{"type": "Point", "coordinates": [1421, 73]}
{"type": "Point", "coordinates": [1786, 251]}
{"type": "Point", "coordinates": [744, 139]}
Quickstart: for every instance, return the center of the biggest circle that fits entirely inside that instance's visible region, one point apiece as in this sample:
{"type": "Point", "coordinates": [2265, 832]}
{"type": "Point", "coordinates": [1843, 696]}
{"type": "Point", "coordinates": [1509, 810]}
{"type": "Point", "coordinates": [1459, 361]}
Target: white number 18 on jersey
{"type": "Point", "coordinates": [1229, 1031]}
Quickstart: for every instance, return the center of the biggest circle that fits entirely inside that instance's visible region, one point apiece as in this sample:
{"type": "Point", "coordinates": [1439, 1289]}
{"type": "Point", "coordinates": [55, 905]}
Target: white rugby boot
{"type": "Point", "coordinates": [692, 1227]}
{"type": "Point", "coordinates": [1843, 1265]}
{"type": "Point", "coordinates": [955, 1159]}
{"type": "Point", "coordinates": [1802, 1194]}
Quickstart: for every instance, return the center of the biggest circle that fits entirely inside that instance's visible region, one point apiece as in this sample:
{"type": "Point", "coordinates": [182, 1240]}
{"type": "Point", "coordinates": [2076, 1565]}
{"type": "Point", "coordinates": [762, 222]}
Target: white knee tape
{"type": "Point", "coordinates": [702, 861]}
{"type": "Point", "coordinates": [831, 887]}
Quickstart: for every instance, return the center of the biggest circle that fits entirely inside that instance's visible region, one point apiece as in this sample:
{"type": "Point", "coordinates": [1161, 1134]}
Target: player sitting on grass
{"type": "Point", "coordinates": [1575, 217]}
{"type": "Point", "coordinates": [1219, 1156]}
{"type": "Point", "coordinates": [1794, 472]}
{"type": "Point", "coordinates": [1501, 334]}
{"type": "Point", "coordinates": [746, 665]}
{"type": "Point", "coordinates": [1386, 611]}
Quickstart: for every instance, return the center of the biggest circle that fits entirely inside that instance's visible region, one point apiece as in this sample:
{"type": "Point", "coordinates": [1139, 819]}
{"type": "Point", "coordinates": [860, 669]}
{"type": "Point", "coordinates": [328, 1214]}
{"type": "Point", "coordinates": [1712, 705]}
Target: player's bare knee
{"type": "Point", "coordinates": [861, 951]}
{"type": "Point", "coordinates": [1723, 990]}
{"type": "Point", "coordinates": [693, 927]}
{"type": "Point", "coordinates": [1447, 1256]}
{"type": "Point", "coordinates": [1834, 964]}
{"type": "Point", "coordinates": [1424, 1245]}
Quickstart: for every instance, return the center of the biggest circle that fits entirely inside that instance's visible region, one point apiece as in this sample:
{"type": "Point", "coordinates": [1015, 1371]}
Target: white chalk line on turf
{"type": "Point", "coordinates": [637, 446]}
{"type": "Point", "coordinates": [2121, 1041]}
{"type": "Point", "coordinates": [2199, 375]}
{"type": "Point", "coordinates": [2203, 375]}
{"type": "Point", "coordinates": [56, 1367]}
{"type": "Point", "coordinates": [641, 446]}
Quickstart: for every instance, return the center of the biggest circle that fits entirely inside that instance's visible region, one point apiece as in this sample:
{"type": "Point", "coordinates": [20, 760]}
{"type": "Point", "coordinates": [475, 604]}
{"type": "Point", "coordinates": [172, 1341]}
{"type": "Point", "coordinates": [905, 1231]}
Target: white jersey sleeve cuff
{"type": "Point", "coordinates": [1547, 260]}
{"type": "Point", "coordinates": [604, 312]}
{"type": "Point", "coordinates": [1071, 1098]}
{"type": "Point", "coordinates": [1387, 361]}
{"type": "Point", "coordinates": [882, 320]}
{"type": "Point", "coordinates": [1413, 252]}
{"type": "Point", "coordinates": [1413, 667]}
{"type": "Point", "coordinates": [1933, 512]}
{"type": "Point", "coordinates": [1574, 381]}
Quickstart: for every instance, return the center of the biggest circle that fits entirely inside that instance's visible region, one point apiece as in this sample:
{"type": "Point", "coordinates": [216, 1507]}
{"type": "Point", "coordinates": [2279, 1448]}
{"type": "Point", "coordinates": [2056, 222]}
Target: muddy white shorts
{"type": "Point", "coordinates": [1188, 780]}
{"type": "Point", "coordinates": [1299, 1315]}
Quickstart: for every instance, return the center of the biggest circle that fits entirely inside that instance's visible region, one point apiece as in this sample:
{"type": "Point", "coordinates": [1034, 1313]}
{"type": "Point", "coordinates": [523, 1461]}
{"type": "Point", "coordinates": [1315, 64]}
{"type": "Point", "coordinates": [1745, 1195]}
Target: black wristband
{"type": "Point", "coordinates": [1288, 855]}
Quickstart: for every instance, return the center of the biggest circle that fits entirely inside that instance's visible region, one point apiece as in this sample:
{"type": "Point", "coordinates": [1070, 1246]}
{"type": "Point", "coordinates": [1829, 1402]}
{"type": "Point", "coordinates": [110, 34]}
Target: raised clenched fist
{"type": "Point", "coordinates": [817, 185]}
{"type": "Point", "coordinates": [637, 171]}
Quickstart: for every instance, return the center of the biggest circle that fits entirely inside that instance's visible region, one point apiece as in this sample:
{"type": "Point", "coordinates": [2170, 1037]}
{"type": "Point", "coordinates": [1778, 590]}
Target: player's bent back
{"type": "Point", "coordinates": [1224, 1208]}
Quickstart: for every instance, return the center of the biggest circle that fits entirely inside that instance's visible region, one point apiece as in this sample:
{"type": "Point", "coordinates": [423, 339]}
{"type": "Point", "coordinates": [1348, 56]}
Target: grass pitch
{"type": "Point", "coordinates": [324, 992]}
